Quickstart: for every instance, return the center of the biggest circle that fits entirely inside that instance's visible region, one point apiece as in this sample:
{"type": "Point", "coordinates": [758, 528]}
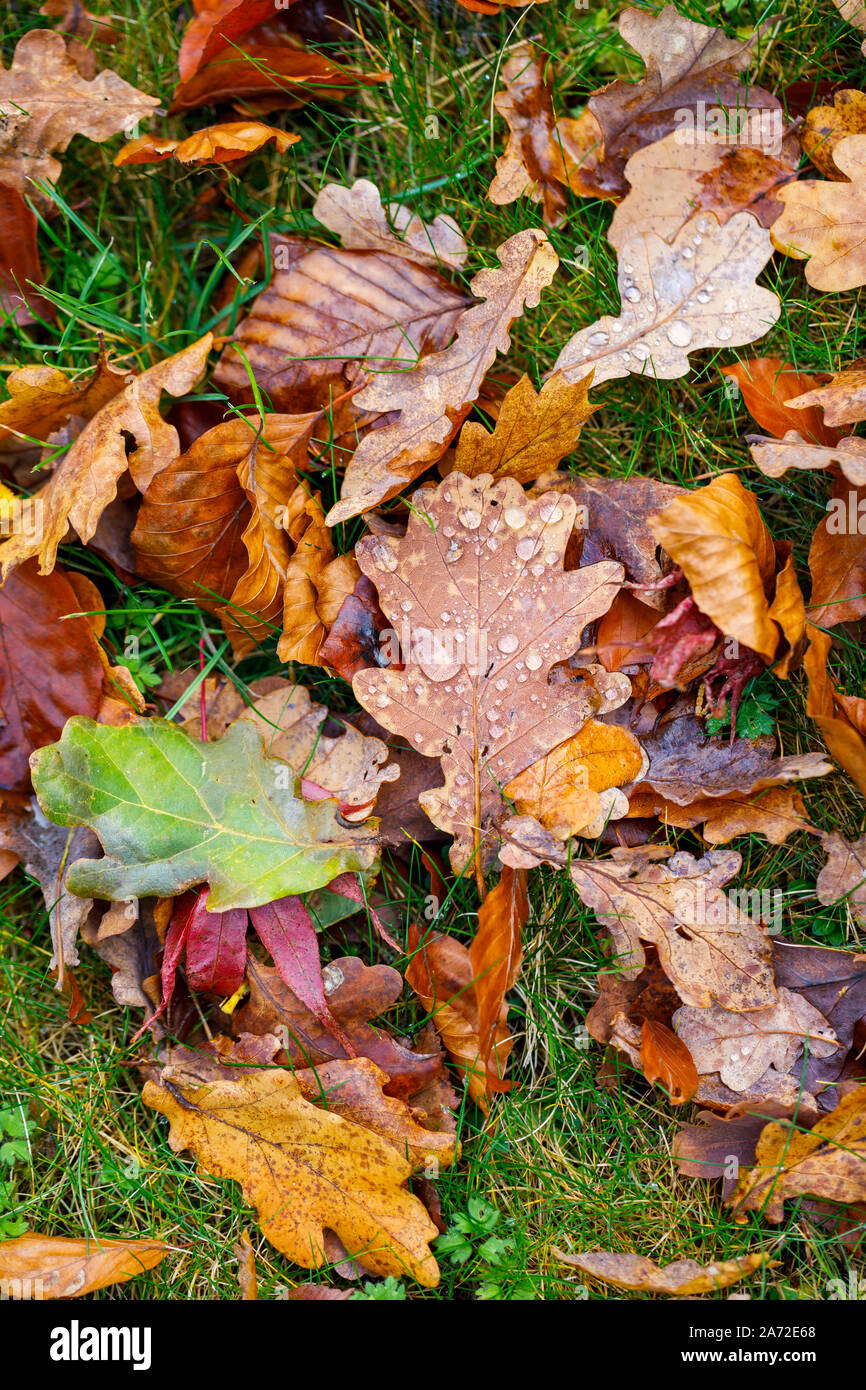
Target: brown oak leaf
{"type": "Point", "coordinates": [824, 223]}
{"type": "Point", "coordinates": [534, 431]}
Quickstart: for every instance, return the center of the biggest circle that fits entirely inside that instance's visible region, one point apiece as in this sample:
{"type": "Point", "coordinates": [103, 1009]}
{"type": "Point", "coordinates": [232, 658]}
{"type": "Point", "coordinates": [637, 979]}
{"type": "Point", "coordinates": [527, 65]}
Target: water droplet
{"type": "Point", "coordinates": [522, 679]}
{"type": "Point", "coordinates": [697, 241]}
{"type": "Point", "coordinates": [641, 351]}
{"type": "Point", "coordinates": [704, 296]}
{"type": "Point", "coordinates": [550, 511]}
{"type": "Point", "coordinates": [552, 557]}
{"type": "Point", "coordinates": [679, 333]}
{"type": "Point", "coordinates": [632, 294]}
{"type": "Point", "coordinates": [703, 225]}
{"type": "Point", "coordinates": [496, 730]}
{"type": "Point", "coordinates": [419, 690]}
{"type": "Point", "coordinates": [735, 1056]}
{"type": "Point", "coordinates": [533, 661]}
{"type": "Point", "coordinates": [469, 518]}
{"type": "Point", "coordinates": [723, 332]}
{"type": "Point", "coordinates": [448, 531]}
{"type": "Point", "coordinates": [383, 556]}
{"type": "Point", "coordinates": [628, 269]}
{"type": "Point", "coordinates": [687, 253]}
{"type": "Point", "coordinates": [526, 548]}
{"type": "Point", "coordinates": [492, 543]}
{"type": "Point", "coordinates": [515, 517]}
{"type": "Point", "coordinates": [598, 339]}
{"type": "Point", "coordinates": [447, 496]}
{"type": "Point", "coordinates": [616, 328]}
{"type": "Point", "coordinates": [382, 701]}
{"type": "Point", "coordinates": [419, 738]}
{"type": "Point", "coordinates": [461, 779]}
{"type": "Point", "coordinates": [453, 553]}
{"type": "Point", "coordinates": [508, 643]}
{"type": "Point", "coordinates": [502, 684]}
{"type": "Point", "coordinates": [444, 617]}
{"type": "Point", "coordinates": [538, 569]}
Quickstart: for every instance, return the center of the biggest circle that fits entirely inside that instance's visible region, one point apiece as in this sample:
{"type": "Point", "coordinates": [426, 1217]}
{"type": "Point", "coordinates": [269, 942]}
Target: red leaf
{"type": "Point", "coordinates": [664, 1057]}
{"type": "Point", "coordinates": [285, 930]}
{"type": "Point", "coordinates": [348, 886]}
{"type": "Point", "coordinates": [215, 28]}
{"type": "Point", "coordinates": [19, 261]}
{"type": "Point", "coordinates": [216, 947]}
{"type": "Point", "coordinates": [767, 383]}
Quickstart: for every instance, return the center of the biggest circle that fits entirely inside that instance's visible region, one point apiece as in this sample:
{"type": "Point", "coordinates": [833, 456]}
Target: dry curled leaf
{"type": "Point", "coordinates": [45, 101]}
{"type": "Point", "coordinates": [843, 398]}
{"type": "Point", "coordinates": [775, 456]}
{"type": "Point", "coordinates": [697, 292]}
{"type": "Point", "coordinates": [841, 718]}
{"type": "Point", "coordinates": [255, 1125]}
{"type": "Point", "coordinates": [432, 398]}
{"type": "Point", "coordinates": [496, 953]}
{"type": "Point", "coordinates": [47, 1267]}
{"type": "Point", "coordinates": [828, 1161]}
{"type": "Point", "coordinates": [44, 403]}
{"type": "Point", "coordinates": [127, 434]}
{"type": "Point", "coordinates": [562, 790]}
{"type": "Point", "coordinates": [844, 874]}
{"type": "Point", "coordinates": [837, 559]}
{"type": "Point", "coordinates": [215, 144]}
{"type": "Point", "coordinates": [534, 431]}
{"type": "Point", "coordinates": [770, 386]}
{"type": "Point", "coordinates": [20, 268]}
{"type": "Point", "coordinates": [359, 218]}
{"type": "Point", "coordinates": [665, 1057]}
{"type": "Point", "coordinates": [825, 126]}
{"type": "Point", "coordinates": [683, 1278]}
{"type": "Point", "coordinates": [775, 813]}
{"type": "Point", "coordinates": [686, 64]}
{"type": "Point", "coordinates": [324, 312]}
{"type": "Point", "coordinates": [533, 161]}
{"type": "Point", "coordinates": [825, 223]}
{"type": "Point", "coordinates": [474, 691]}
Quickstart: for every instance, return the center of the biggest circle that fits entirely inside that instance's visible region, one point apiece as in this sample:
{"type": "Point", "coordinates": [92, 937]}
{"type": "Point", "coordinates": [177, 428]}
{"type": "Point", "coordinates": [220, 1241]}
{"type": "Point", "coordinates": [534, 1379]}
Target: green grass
{"type": "Point", "coordinates": [562, 1159]}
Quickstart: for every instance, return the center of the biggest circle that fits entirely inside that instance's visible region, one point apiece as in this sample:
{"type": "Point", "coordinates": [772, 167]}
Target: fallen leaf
{"type": "Point", "coordinates": [844, 874]}
{"type": "Point", "coordinates": [681, 174]}
{"type": "Point", "coordinates": [432, 397]}
{"type": "Point", "coordinates": [775, 813]}
{"type": "Point", "coordinates": [697, 292]}
{"type": "Point", "coordinates": [775, 456]}
{"type": "Point", "coordinates": [831, 710]}
{"type": "Point", "coordinates": [665, 1057]}
{"type": "Point", "coordinates": [227, 817]}
{"type": "Point", "coordinates": [718, 537]}
{"type": "Point", "coordinates": [356, 994]}
{"type": "Point", "coordinates": [78, 21]}
{"type": "Point", "coordinates": [843, 399]}
{"type": "Point", "coordinates": [43, 401]}
{"type": "Point", "coordinates": [49, 1267]}
{"type": "Point", "coordinates": [324, 313]}
{"type": "Point", "coordinates": [215, 144]}
{"type": "Point", "coordinates": [50, 667]}
{"type": "Point", "coordinates": [216, 25]}
{"type": "Point", "coordinates": [358, 634]}
{"type": "Point", "coordinates": [496, 953]}
{"type": "Point", "coordinates": [824, 223]}
{"type": "Point", "coordinates": [450, 700]}
{"type": "Point", "coordinates": [533, 432]}
{"type": "Point", "coordinates": [20, 268]}
{"type": "Point", "coordinates": [686, 64]}
{"type": "Point", "coordinates": [362, 222]}
{"type": "Point", "coordinates": [255, 1126]}
{"type": "Point", "coordinates": [303, 630]}
{"type": "Point", "coordinates": [837, 560]}
{"type": "Point", "coordinates": [825, 126]}
{"type": "Point", "coordinates": [533, 161]}
{"type": "Point", "coordinates": [683, 1278]}
{"type": "Point", "coordinates": [828, 1161]}
{"type": "Point", "coordinates": [265, 77]}
{"type": "Point", "coordinates": [770, 386]}
{"type": "Point", "coordinates": [85, 481]}
{"type": "Point", "coordinates": [247, 1277]}
{"type": "Point", "coordinates": [45, 101]}
{"type": "Point", "coordinates": [562, 789]}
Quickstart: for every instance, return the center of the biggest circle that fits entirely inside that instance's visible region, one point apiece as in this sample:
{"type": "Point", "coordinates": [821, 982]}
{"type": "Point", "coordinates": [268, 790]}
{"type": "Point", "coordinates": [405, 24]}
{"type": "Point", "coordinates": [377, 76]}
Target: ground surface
{"type": "Point", "coordinates": [561, 1159]}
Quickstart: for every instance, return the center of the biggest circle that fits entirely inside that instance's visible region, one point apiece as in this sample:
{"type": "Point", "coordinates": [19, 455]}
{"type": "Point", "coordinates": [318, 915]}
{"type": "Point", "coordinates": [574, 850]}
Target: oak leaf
{"type": "Point", "coordinates": [665, 1057]}
{"type": "Point", "coordinates": [225, 816]}
{"type": "Point", "coordinates": [824, 223]}
{"type": "Point", "coordinates": [837, 559]}
{"type": "Point", "coordinates": [828, 1161]}
{"type": "Point", "coordinates": [324, 312]}
{"type": "Point", "coordinates": [474, 691]}
{"type": "Point", "coordinates": [432, 398]}
{"type": "Point", "coordinates": [681, 174]}
{"type": "Point", "coordinates": [562, 789]}
{"type": "Point", "coordinates": [263, 77]}
{"type": "Point", "coordinates": [686, 64]}
{"type": "Point", "coordinates": [533, 161]}
{"type": "Point", "coordinates": [303, 1168]}
{"type": "Point", "coordinates": [45, 101]}
{"type": "Point", "coordinates": [775, 456]}
{"type": "Point", "coordinates": [697, 292]}
{"type": "Point", "coordinates": [771, 390]}
{"type": "Point", "coordinates": [85, 481]}
{"type": "Point", "coordinates": [844, 874]}
{"type": "Point", "coordinates": [825, 126]}
{"type": "Point", "coordinates": [359, 218]}
{"type": "Point", "coordinates": [775, 813]}
{"type": "Point", "coordinates": [534, 430]}
{"type": "Point", "coordinates": [682, 1278]}
{"type": "Point", "coordinates": [215, 144]}
{"type": "Point", "coordinates": [60, 1267]}
{"type": "Point", "coordinates": [843, 398]}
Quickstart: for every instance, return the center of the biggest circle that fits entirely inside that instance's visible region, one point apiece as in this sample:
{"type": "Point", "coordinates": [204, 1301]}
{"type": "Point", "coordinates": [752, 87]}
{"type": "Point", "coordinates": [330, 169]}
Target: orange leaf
{"type": "Point", "coordinates": [497, 951]}
{"type": "Point", "coordinates": [664, 1057]}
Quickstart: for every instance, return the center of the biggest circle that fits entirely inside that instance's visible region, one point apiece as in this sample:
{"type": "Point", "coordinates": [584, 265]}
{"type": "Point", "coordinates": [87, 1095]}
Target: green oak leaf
{"type": "Point", "coordinates": [171, 812]}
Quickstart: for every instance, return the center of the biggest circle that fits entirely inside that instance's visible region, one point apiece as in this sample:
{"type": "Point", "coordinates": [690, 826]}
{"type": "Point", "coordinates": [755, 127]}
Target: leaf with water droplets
{"type": "Point", "coordinates": [698, 292]}
{"type": "Point", "coordinates": [477, 593]}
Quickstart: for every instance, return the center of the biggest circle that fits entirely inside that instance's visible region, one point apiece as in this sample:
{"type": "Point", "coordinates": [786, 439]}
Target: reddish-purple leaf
{"type": "Point", "coordinates": [175, 941]}
{"type": "Point", "coordinates": [286, 931]}
{"type": "Point", "coordinates": [347, 886]}
{"type": "Point", "coordinates": [216, 947]}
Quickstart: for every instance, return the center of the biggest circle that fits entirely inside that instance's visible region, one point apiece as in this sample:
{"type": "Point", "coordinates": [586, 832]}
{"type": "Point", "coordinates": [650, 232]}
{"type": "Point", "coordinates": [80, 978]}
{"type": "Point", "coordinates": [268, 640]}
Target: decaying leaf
{"type": "Point", "coordinates": [841, 718]}
{"type": "Point", "coordinates": [496, 953]}
{"type": "Point", "coordinates": [215, 144]}
{"type": "Point", "coordinates": [47, 1267]}
{"type": "Point", "coordinates": [327, 310]}
{"type": "Point", "coordinates": [359, 218]}
{"type": "Point", "coordinates": [683, 1278]}
{"type": "Point", "coordinates": [775, 456]}
{"type": "Point", "coordinates": [533, 161]}
{"type": "Point", "coordinates": [697, 292]}
{"type": "Point", "coordinates": [775, 813]}
{"type": "Point", "coordinates": [483, 636]}
{"type": "Point", "coordinates": [843, 398]}
{"type": "Point", "coordinates": [844, 874]}
{"type": "Point", "coordinates": [85, 481]}
{"type": "Point", "coordinates": [256, 1126]}
{"type": "Point", "coordinates": [825, 126]}
{"type": "Point", "coordinates": [44, 401]}
{"type": "Point", "coordinates": [534, 431]}
{"type": "Point", "coordinates": [432, 398]}
{"type": "Point", "coordinates": [837, 559]}
{"type": "Point", "coordinates": [227, 815]}
{"type": "Point", "coordinates": [825, 223]}
{"type": "Point", "coordinates": [665, 1057]}
{"type": "Point", "coordinates": [20, 268]}
{"type": "Point", "coordinates": [45, 100]}
{"type": "Point", "coordinates": [562, 790]}
{"type": "Point", "coordinates": [828, 1161]}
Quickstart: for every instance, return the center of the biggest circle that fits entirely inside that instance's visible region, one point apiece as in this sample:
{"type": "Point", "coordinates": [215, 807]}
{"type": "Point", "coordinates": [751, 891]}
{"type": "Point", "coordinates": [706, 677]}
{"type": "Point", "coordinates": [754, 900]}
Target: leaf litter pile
{"type": "Point", "coordinates": [449, 672]}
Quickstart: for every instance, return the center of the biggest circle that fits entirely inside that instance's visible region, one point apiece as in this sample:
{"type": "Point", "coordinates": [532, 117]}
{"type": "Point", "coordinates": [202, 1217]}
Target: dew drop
{"type": "Point", "coordinates": [515, 517]}
{"type": "Point", "coordinates": [723, 332]}
{"type": "Point", "coordinates": [469, 518]}
{"type": "Point", "coordinates": [616, 328]}
{"type": "Point", "coordinates": [679, 333]}
{"type": "Point", "coordinates": [533, 661]}
{"type": "Point", "coordinates": [598, 339]}
{"type": "Point", "coordinates": [383, 556]}
{"type": "Point", "coordinates": [632, 294]}
{"type": "Point", "coordinates": [550, 511]}
{"type": "Point", "coordinates": [453, 553]}
{"type": "Point", "coordinates": [382, 702]}
{"type": "Point", "coordinates": [628, 269]}
{"type": "Point", "coordinates": [526, 548]}
{"type": "Point", "coordinates": [502, 684]}
{"type": "Point", "coordinates": [496, 730]}
{"type": "Point", "coordinates": [538, 569]}
{"type": "Point", "coordinates": [704, 296]}
{"type": "Point", "coordinates": [492, 543]}
{"type": "Point", "coordinates": [508, 643]}
{"type": "Point", "coordinates": [687, 253]}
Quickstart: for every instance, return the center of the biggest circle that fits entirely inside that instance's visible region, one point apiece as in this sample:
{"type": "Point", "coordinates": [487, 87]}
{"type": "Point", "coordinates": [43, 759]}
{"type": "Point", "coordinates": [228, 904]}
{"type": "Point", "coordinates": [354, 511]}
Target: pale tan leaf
{"type": "Point", "coordinates": [359, 218]}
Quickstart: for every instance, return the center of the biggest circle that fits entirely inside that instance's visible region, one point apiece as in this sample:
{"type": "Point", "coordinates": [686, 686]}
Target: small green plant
{"type": "Point", "coordinates": [15, 1130]}
{"type": "Point", "coordinates": [476, 1237]}
{"type": "Point", "coordinates": [388, 1290]}
{"type": "Point", "coordinates": [755, 716]}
